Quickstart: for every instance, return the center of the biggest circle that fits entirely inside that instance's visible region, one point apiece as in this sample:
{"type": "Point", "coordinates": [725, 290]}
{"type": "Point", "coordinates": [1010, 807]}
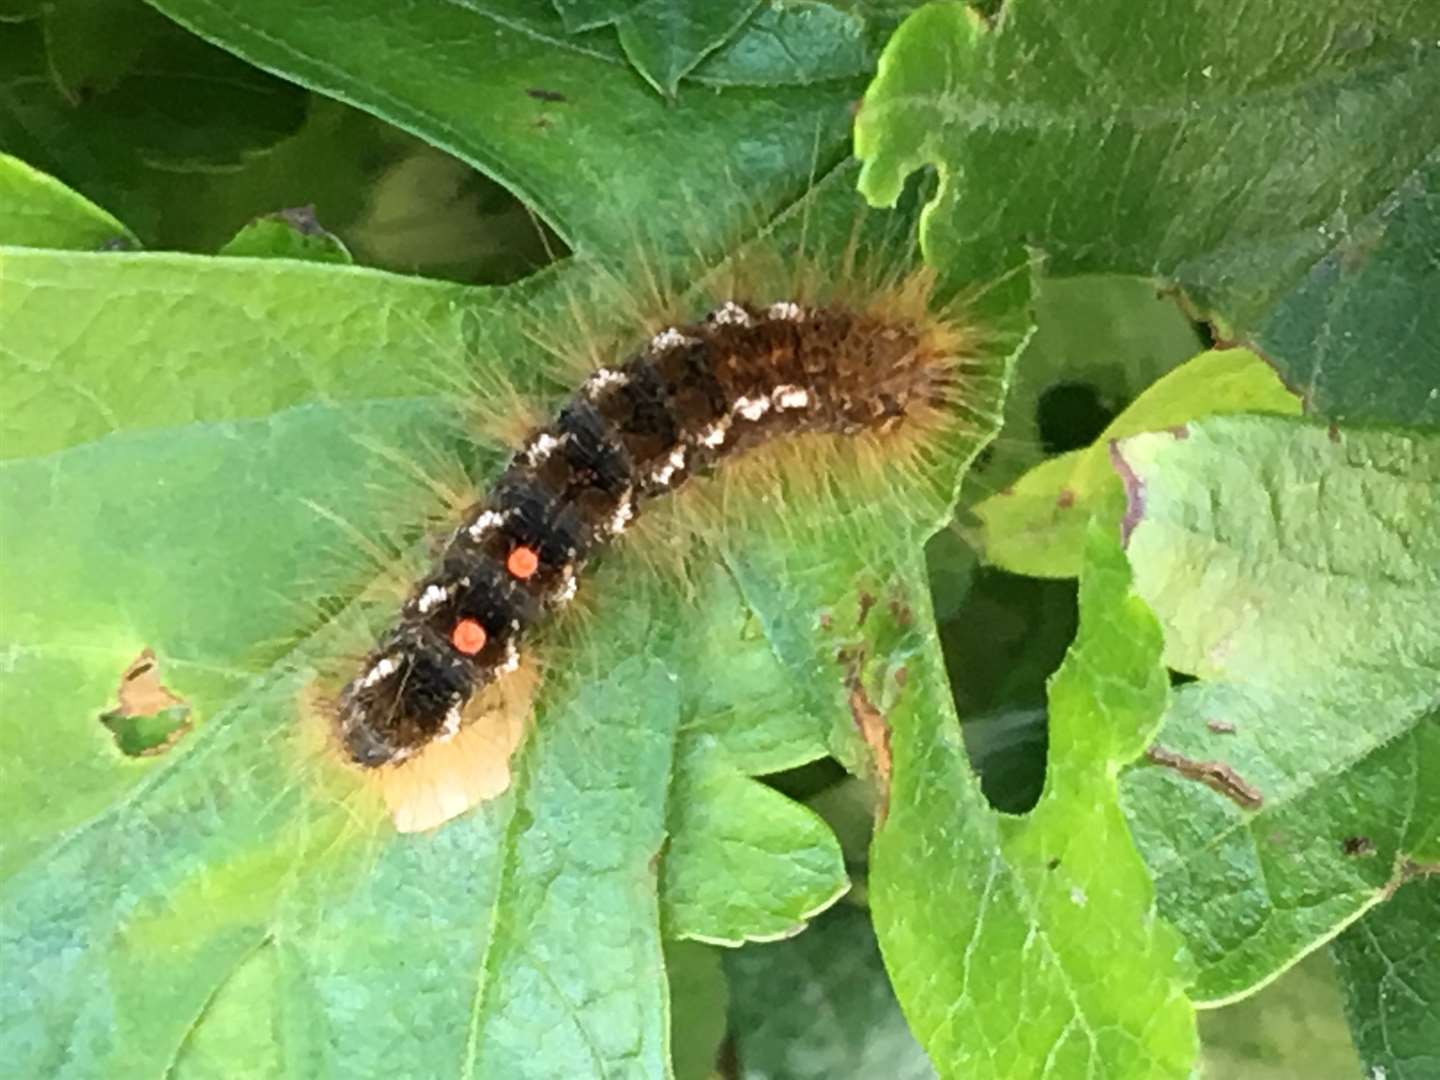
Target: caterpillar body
{"type": "Point", "coordinates": [695, 395]}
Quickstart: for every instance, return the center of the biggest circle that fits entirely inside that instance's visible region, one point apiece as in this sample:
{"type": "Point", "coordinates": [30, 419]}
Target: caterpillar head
{"type": "Point", "coordinates": [409, 693]}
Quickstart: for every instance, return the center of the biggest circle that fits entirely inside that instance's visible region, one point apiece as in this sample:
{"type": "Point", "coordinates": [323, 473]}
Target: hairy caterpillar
{"type": "Point", "coordinates": [695, 395]}
{"type": "Point", "coordinates": [839, 370]}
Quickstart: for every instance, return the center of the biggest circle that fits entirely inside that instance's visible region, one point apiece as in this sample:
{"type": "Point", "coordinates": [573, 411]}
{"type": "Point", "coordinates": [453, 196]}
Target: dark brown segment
{"type": "Point", "coordinates": [495, 601]}
{"type": "Point", "coordinates": [540, 519]}
{"type": "Point", "coordinates": [639, 413]}
{"type": "Point", "coordinates": [592, 452]}
{"type": "Point", "coordinates": [386, 721]}
{"type": "Point", "coordinates": [695, 395]}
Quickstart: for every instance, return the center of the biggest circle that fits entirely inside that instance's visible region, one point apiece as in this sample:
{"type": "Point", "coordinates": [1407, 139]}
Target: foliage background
{"type": "Point", "coordinates": [190, 364]}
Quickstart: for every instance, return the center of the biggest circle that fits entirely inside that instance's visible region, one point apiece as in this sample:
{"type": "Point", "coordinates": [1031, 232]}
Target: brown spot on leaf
{"type": "Point", "coordinates": [1180, 431]}
{"type": "Point", "coordinates": [1066, 499]}
{"type": "Point", "coordinates": [873, 728]}
{"type": "Point", "coordinates": [539, 93]}
{"type": "Point", "coordinates": [902, 676]}
{"type": "Point", "coordinates": [901, 613]}
{"type": "Point", "coordinates": [1357, 847]}
{"type": "Point", "coordinates": [1333, 431]}
{"type": "Point", "coordinates": [1220, 727]}
{"type": "Point", "coordinates": [303, 220]}
{"type": "Point", "coordinates": [867, 602]}
{"type": "Point", "coordinates": [826, 622]}
{"type": "Point", "coordinates": [1216, 775]}
{"type": "Point", "coordinates": [148, 718]}
{"type": "Point", "coordinates": [1134, 492]}
{"type": "Point", "coordinates": [876, 733]}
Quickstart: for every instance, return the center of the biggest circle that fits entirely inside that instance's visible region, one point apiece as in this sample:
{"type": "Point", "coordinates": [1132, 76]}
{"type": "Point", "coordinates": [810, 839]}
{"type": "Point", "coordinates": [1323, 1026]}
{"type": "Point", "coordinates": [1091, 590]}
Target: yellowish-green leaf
{"type": "Point", "coordinates": [1296, 570]}
{"type": "Point", "coordinates": [1037, 526]}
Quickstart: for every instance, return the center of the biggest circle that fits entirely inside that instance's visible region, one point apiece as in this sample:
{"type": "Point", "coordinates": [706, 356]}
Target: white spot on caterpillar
{"type": "Point", "coordinates": [433, 596]}
{"type": "Point", "coordinates": [603, 379]}
{"type": "Point", "coordinates": [729, 314]}
{"type": "Point", "coordinates": [673, 464]}
{"type": "Point", "coordinates": [786, 311]}
{"type": "Point", "coordinates": [451, 727]}
{"type": "Point", "coordinates": [568, 587]}
{"type": "Point", "coordinates": [751, 408]}
{"type": "Point", "coordinates": [623, 513]}
{"type": "Point", "coordinates": [541, 447]}
{"type": "Point", "coordinates": [512, 658]}
{"type": "Point", "coordinates": [714, 435]}
{"type": "Point", "coordinates": [669, 339]}
{"type": "Point", "coordinates": [790, 397]}
{"type": "Point", "coordinates": [383, 669]}
{"type": "Point", "coordinates": [485, 524]}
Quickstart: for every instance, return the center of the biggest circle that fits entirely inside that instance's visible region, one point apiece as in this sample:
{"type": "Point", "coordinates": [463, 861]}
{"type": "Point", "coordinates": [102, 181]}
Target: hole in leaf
{"type": "Point", "coordinates": [1357, 847]}
{"type": "Point", "coordinates": [148, 718]}
{"type": "Point", "coordinates": [1007, 749]}
{"type": "Point", "coordinates": [1071, 415]}
{"type": "Point", "coordinates": [1025, 624]}
{"type": "Point", "coordinates": [806, 781]}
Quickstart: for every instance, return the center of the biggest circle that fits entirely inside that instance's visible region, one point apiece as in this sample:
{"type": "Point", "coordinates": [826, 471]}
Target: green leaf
{"type": "Point", "coordinates": [20, 10]}
{"type": "Point", "coordinates": [325, 334]}
{"type": "Point", "coordinates": [555, 119]}
{"type": "Point", "coordinates": [157, 114]}
{"type": "Point", "coordinates": [820, 1007]}
{"type": "Point", "coordinates": [1293, 1027]}
{"type": "Point", "coordinates": [1166, 139]}
{"type": "Point", "coordinates": [1389, 964]}
{"type": "Point", "coordinates": [698, 997]}
{"type": "Point", "coordinates": [665, 41]}
{"type": "Point", "coordinates": [587, 14]}
{"type": "Point", "coordinates": [290, 234]}
{"type": "Point", "coordinates": [744, 862]}
{"type": "Point", "coordinates": [93, 44]}
{"type": "Point", "coordinates": [164, 143]}
{"type": "Point", "coordinates": [242, 1026]}
{"type": "Point", "coordinates": [1033, 948]}
{"type": "Point", "coordinates": [1370, 297]}
{"type": "Point", "coordinates": [795, 43]}
{"type": "Point", "coordinates": [40, 212]}
{"type": "Point", "coordinates": [1037, 526]}
{"type": "Point", "coordinates": [138, 736]}
{"type": "Point", "coordinates": [1296, 570]}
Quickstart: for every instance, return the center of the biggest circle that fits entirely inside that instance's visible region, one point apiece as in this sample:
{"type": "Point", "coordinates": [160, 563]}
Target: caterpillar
{"type": "Point", "coordinates": [693, 396]}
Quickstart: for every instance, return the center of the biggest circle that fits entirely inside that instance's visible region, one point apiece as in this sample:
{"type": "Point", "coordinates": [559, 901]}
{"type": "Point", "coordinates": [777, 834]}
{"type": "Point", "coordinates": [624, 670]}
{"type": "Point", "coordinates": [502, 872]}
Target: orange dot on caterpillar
{"type": "Point", "coordinates": [468, 637]}
{"type": "Point", "coordinates": [522, 563]}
